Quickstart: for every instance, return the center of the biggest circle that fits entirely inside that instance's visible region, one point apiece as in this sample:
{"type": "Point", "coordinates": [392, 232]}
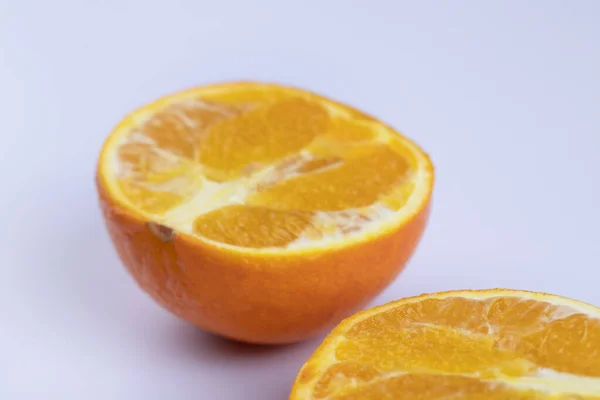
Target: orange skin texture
{"type": "Point", "coordinates": [264, 300]}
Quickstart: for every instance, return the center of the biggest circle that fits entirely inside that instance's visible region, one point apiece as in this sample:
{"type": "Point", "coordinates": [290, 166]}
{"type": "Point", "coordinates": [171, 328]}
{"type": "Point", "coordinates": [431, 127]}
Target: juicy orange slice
{"type": "Point", "coordinates": [213, 161]}
{"type": "Point", "coordinates": [249, 209]}
{"type": "Point", "coordinates": [493, 344]}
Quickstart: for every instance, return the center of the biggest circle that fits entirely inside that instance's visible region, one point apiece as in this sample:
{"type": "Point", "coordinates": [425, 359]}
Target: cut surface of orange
{"type": "Point", "coordinates": [489, 344]}
{"type": "Point", "coordinates": [261, 172]}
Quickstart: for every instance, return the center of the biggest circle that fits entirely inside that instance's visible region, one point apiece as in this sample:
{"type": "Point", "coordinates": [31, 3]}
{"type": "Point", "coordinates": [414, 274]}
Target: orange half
{"type": "Point", "coordinates": [260, 177]}
{"type": "Point", "coordinates": [492, 344]}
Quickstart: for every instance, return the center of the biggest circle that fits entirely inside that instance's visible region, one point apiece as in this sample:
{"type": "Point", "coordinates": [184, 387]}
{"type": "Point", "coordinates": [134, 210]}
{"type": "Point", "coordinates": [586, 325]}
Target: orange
{"type": "Point", "coordinates": [489, 344]}
{"type": "Point", "coordinates": [260, 212]}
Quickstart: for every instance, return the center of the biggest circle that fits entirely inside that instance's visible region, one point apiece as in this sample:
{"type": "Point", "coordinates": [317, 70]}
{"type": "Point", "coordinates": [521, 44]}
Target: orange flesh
{"type": "Point", "coordinates": [262, 136]}
{"type": "Point", "coordinates": [252, 226]}
{"type": "Point", "coordinates": [457, 347]}
{"type": "Point", "coordinates": [296, 164]}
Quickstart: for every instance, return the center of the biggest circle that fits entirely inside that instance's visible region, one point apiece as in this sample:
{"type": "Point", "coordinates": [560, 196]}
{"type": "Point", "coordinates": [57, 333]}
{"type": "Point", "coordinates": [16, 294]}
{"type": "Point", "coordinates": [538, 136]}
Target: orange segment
{"type": "Point", "coordinates": [556, 345]}
{"type": "Point", "coordinates": [148, 200]}
{"type": "Point", "coordinates": [487, 344]}
{"type": "Point", "coordinates": [344, 130]}
{"type": "Point", "coordinates": [433, 349]}
{"type": "Point", "coordinates": [437, 387]}
{"type": "Point", "coordinates": [186, 124]}
{"type": "Point", "coordinates": [141, 161]}
{"type": "Point", "coordinates": [245, 226]}
{"type": "Point", "coordinates": [337, 376]}
{"type": "Point", "coordinates": [261, 136]}
{"type": "Point", "coordinates": [354, 183]}
{"type": "Point", "coordinates": [220, 196]}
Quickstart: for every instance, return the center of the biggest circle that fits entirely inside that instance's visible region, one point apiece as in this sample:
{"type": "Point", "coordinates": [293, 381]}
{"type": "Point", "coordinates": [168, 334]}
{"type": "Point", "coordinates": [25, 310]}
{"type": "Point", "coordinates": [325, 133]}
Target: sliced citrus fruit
{"type": "Point", "coordinates": [261, 212]}
{"type": "Point", "coordinates": [489, 344]}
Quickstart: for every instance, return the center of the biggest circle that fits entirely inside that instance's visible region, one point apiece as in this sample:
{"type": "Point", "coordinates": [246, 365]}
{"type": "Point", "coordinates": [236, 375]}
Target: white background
{"type": "Point", "coordinates": [504, 95]}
